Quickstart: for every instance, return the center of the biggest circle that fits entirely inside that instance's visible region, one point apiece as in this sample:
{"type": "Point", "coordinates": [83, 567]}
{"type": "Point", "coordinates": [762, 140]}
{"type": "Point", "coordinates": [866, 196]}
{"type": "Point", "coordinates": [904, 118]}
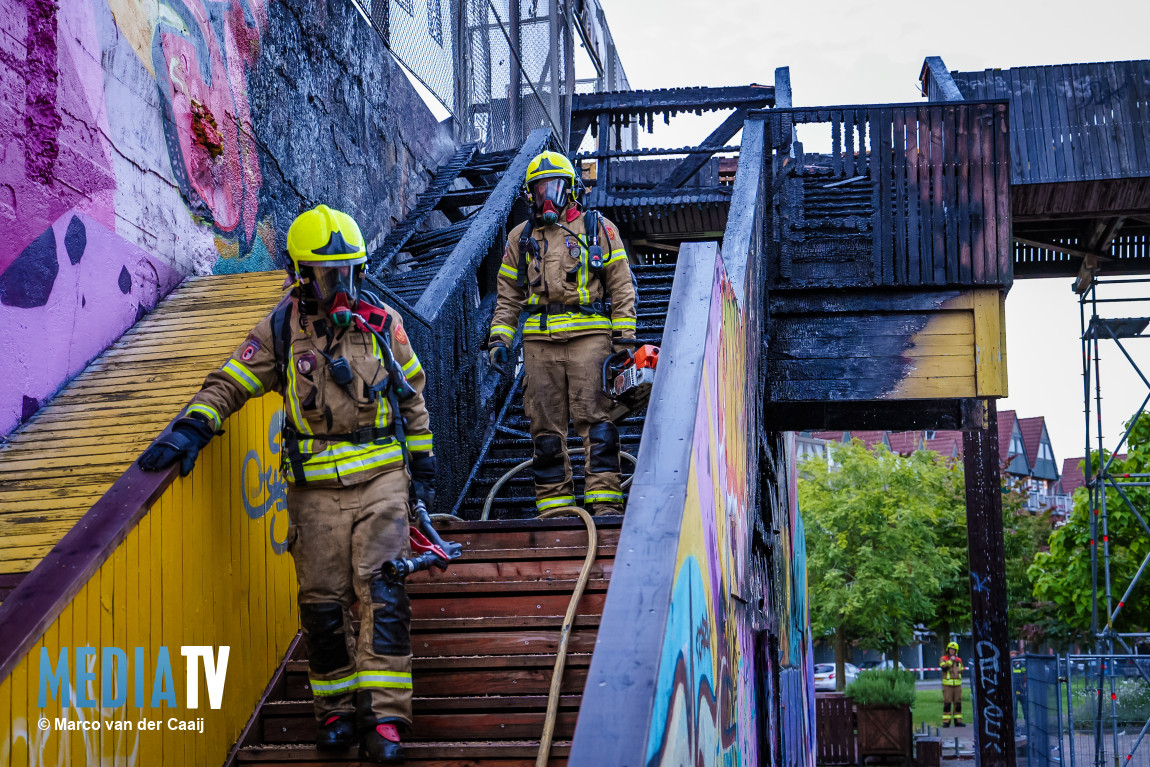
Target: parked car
{"type": "Point", "coordinates": [825, 675]}
{"type": "Point", "coordinates": [891, 664]}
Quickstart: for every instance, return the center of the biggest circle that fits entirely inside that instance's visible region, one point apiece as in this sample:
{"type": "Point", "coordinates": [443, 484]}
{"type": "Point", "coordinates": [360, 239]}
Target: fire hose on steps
{"type": "Point", "coordinates": [565, 634]}
{"type": "Point", "coordinates": [520, 467]}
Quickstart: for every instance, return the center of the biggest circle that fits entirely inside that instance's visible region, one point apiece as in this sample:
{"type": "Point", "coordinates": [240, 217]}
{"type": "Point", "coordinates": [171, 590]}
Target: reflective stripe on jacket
{"type": "Point", "coordinates": [315, 405]}
{"type": "Point", "coordinates": [562, 275]}
{"type": "Point", "coordinates": [952, 667]}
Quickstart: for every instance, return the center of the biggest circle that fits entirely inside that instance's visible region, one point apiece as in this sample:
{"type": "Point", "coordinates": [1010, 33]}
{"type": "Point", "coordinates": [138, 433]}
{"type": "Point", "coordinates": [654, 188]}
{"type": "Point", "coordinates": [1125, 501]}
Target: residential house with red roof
{"type": "Point", "coordinates": [1024, 446]}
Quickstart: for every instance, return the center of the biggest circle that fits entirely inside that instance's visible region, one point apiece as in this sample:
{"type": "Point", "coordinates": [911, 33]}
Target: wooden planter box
{"type": "Point", "coordinates": [885, 731]}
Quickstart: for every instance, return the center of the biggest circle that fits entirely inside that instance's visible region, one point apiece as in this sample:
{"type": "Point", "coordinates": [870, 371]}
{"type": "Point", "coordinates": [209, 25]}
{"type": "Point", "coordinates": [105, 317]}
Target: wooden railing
{"type": "Point", "coordinates": [158, 563]}
{"type": "Point", "coordinates": [908, 195]}
{"type": "Point", "coordinates": [835, 729]}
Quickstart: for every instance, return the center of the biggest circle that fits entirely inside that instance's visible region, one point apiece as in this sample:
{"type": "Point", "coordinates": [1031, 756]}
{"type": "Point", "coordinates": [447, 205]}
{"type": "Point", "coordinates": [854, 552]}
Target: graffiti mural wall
{"type": "Point", "coordinates": [715, 702]}
{"type": "Point", "coordinates": [144, 141]}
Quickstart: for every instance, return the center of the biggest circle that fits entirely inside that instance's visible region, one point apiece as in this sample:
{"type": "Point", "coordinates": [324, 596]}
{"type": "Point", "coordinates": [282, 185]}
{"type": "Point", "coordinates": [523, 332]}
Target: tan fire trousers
{"type": "Point", "coordinates": [339, 539]}
{"type": "Point", "coordinates": [952, 700]}
{"type": "Point", "coordinates": [564, 383]}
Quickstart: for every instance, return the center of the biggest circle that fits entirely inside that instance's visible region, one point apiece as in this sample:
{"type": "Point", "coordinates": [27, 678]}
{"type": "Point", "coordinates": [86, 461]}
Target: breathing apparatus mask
{"type": "Point", "coordinates": [549, 197]}
{"type": "Point", "coordinates": [336, 286]}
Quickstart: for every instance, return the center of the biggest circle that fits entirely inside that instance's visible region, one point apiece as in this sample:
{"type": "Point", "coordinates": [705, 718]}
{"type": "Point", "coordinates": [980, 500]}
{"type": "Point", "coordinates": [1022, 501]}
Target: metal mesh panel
{"type": "Point", "coordinates": [1108, 700]}
{"type": "Point", "coordinates": [499, 114]}
{"type": "Point", "coordinates": [1038, 710]}
{"type": "Point", "coordinates": [419, 33]}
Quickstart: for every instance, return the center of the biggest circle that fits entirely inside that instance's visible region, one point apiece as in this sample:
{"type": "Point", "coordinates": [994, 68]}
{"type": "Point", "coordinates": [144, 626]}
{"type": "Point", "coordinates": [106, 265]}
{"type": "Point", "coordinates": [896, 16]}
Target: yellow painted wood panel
{"type": "Point", "coordinates": [990, 342]}
{"type": "Point", "coordinates": [196, 570]}
{"type": "Point", "coordinates": [57, 465]}
{"type": "Point", "coordinates": [935, 387]}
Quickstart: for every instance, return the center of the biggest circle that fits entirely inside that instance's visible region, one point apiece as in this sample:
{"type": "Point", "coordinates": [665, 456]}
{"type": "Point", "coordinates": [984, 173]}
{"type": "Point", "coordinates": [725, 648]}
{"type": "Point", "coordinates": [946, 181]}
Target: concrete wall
{"type": "Point", "coordinates": [144, 141]}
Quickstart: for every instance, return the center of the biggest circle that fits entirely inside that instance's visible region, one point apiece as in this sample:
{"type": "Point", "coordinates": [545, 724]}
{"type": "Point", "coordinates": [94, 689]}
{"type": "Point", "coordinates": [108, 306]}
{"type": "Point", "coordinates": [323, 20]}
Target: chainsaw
{"type": "Point", "coordinates": [628, 377]}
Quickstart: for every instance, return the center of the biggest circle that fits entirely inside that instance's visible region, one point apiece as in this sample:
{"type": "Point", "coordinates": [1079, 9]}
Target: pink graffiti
{"type": "Point", "coordinates": [213, 118]}
{"type": "Point", "coordinates": [54, 149]}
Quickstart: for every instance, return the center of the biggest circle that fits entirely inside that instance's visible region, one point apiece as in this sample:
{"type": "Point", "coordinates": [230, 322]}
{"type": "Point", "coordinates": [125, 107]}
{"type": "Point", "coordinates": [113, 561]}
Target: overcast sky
{"type": "Point", "coordinates": [851, 53]}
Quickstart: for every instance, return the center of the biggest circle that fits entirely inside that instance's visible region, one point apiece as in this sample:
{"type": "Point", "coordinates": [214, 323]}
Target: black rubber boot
{"type": "Point", "coordinates": [381, 745]}
{"type": "Point", "coordinates": [336, 733]}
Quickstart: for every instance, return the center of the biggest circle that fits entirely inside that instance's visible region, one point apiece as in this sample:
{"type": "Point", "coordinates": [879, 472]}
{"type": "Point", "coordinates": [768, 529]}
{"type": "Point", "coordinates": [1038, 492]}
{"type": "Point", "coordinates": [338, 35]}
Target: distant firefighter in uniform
{"type": "Point", "coordinates": [355, 423]}
{"type": "Point", "coordinates": [563, 266]}
{"type": "Point", "coordinates": [952, 668]}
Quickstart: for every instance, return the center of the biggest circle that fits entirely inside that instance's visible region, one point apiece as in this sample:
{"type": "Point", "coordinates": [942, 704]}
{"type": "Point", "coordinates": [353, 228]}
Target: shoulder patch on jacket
{"type": "Point", "coordinates": [400, 333]}
{"type": "Point", "coordinates": [250, 348]}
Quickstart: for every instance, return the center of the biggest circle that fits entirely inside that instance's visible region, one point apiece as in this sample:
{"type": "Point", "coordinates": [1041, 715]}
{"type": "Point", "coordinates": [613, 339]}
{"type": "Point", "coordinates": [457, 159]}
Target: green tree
{"type": "Point", "coordinates": [952, 606]}
{"type": "Point", "coordinates": [1062, 575]}
{"type": "Point", "coordinates": [873, 567]}
{"type": "Point", "coordinates": [1025, 535]}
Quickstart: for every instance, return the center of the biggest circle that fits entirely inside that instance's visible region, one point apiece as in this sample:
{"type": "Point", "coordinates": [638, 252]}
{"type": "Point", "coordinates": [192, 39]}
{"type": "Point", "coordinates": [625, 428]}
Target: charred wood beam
{"type": "Point", "coordinates": [946, 414]}
{"type": "Point", "coordinates": [672, 100]}
{"type": "Point", "coordinates": [990, 673]}
{"type": "Point", "coordinates": [935, 71]}
{"type": "Point", "coordinates": [690, 165]}
{"type": "Point", "coordinates": [397, 238]}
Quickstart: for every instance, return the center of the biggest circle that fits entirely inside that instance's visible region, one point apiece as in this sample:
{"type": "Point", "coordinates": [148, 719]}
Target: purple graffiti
{"type": "Point", "coordinates": [63, 303]}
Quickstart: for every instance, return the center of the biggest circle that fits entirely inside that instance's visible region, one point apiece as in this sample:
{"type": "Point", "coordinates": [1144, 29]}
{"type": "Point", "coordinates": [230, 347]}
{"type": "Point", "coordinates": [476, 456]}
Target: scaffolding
{"type": "Point", "coordinates": [1111, 489]}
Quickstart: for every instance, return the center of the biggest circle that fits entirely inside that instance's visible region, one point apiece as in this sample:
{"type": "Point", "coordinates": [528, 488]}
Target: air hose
{"type": "Point", "coordinates": [568, 622]}
{"type": "Point", "coordinates": [520, 467]}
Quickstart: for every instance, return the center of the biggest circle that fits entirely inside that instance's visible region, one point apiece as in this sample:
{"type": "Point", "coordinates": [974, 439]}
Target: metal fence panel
{"type": "Point", "coordinates": [1108, 710]}
{"type": "Point", "coordinates": [520, 71]}
{"type": "Point", "coordinates": [1038, 710]}
{"type": "Point", "coordinates": [421, 34]}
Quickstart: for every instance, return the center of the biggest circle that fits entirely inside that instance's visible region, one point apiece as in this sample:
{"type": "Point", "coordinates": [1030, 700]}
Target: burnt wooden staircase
{"type": "Point", "coordinates": [510, 442]}
{"type": "Point", "coordinates": [484, 636]}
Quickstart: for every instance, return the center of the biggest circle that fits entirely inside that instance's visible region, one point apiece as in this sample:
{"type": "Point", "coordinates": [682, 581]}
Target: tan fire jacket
{"type": "Point", "coordinates": [562, 276]}
{"type": "Point", "coordinates": [952, 667]}
{"type": "Point", "coordinates": [315, 405]}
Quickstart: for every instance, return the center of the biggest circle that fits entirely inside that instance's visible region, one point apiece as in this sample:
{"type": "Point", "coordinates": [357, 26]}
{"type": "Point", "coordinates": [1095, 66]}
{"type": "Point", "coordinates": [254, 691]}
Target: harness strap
{"type": "Point", "coordinates": [360, 436]}
{"type": "Point", "coordinates": [527, 248]}
{"type": "Point", "coordinates": [545, 309]}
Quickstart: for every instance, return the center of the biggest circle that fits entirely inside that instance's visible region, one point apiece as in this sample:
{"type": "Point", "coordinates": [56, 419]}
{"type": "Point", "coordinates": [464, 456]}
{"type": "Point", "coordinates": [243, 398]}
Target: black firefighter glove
{"type": "Point", "coordinates": [183, 443]}
{"type": "Point", "coordinates": [618, 344]}
{"type": "Point", "coordinates": [422, 466]}
{"type": "Point", "coordinates": [497, 355]}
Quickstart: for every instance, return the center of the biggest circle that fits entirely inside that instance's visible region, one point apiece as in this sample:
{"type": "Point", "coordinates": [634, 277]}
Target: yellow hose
{"type": "Point", "coordinates": [565, 634]}
{"type": "Point", "coordinates": [520, 467]}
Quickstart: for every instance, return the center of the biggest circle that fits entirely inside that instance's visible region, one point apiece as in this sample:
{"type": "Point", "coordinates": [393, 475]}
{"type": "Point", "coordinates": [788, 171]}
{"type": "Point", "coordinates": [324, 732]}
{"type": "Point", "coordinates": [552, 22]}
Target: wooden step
{"type": "Point", "coordinates": [445, 605]}
{"type": "Point", "coordinates": [504, 753]}
{"type": "Point", "coordinates": [469, 570]}
{"type": "Point", "coordinates": [509, 675]}
{"type": "Point", "coordinates": [294, 722]}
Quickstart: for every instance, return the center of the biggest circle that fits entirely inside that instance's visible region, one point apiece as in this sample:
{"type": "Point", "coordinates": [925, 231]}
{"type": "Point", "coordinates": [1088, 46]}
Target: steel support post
{"type": "Point", "coordinates": [990, 672]}
{"type": "Point", "coordinates": [514, 106]}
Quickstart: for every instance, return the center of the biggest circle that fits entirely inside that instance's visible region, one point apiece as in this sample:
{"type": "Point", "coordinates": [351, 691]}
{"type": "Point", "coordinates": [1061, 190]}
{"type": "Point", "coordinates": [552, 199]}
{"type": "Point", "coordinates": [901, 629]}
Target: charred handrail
{"type": "Point", "coordinates": [486, 225]}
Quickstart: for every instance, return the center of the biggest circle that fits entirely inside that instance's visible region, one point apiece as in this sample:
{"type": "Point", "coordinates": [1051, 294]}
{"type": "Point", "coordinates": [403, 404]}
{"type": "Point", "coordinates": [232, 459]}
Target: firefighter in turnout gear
{"type": "Point", "coordinates": [569, 271]}
{"type": "Point", "coordinates": [355, 425]}
{"type": "Point", "coordinates": [952, 668]}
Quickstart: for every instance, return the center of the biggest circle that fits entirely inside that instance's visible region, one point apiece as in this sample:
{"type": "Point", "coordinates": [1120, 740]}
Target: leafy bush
{"type": "Point", "coordinates": [882, 687]}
